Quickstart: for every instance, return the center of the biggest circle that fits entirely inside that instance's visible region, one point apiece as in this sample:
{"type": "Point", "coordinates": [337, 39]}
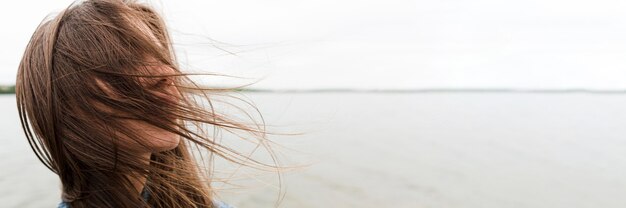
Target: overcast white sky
{"type": "Point", "coordinates": [390, 44]}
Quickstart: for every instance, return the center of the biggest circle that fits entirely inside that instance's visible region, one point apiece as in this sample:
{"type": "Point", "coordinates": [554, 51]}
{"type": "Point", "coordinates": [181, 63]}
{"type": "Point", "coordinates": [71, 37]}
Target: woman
{"type": "Point", "coordinates": [105, 107]}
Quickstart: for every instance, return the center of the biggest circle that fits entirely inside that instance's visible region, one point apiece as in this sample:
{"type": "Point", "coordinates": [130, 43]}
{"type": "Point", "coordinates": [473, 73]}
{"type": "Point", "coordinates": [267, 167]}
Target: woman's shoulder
{"type": "Point", "coordinates": [63, 205]}
{"type": "Point", "coordinates": [220, 204]}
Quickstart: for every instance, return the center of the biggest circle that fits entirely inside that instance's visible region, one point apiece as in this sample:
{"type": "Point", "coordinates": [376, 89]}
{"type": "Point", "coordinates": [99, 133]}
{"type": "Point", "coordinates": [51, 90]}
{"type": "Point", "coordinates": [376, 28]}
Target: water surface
{"type": "Point", "coordinates": [410, 150]}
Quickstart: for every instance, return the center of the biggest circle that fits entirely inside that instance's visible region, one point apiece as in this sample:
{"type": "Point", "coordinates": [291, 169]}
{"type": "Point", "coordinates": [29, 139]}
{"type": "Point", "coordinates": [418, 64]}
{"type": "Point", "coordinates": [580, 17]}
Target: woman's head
{"type": "Point", "coordinates": [98, 87]}
{"type": "Point", "coordinates": [107, 54]}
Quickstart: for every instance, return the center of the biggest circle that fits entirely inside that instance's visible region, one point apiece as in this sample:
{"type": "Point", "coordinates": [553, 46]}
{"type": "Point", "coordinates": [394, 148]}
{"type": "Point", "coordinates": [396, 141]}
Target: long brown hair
{"type": "Point", "coordinates": [60, 96]}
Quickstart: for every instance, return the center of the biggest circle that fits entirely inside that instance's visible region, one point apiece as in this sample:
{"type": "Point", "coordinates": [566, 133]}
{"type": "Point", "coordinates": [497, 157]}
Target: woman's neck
{"type": "Point", "coordinates": [139, 182]}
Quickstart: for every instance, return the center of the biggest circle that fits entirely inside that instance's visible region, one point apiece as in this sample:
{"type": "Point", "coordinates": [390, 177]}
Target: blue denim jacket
{"type": "Point", "coordinates": [217, 204]}
{"type": "Point", "coordinates": [145, 195]}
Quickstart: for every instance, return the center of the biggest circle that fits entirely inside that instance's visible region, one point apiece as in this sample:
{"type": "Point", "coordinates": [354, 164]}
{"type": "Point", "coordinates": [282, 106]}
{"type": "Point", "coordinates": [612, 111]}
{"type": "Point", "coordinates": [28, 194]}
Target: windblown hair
{"type": "Point", "coordinates": [60, 101]}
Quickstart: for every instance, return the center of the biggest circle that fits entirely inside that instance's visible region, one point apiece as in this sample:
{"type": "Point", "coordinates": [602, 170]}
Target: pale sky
{"type": "Point", "coordinates": [390, 44]}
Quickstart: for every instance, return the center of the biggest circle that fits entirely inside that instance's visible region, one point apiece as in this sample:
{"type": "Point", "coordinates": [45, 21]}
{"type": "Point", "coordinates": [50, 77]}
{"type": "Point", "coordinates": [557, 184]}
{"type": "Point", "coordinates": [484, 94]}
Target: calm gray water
{"type": "Point", "coordinates": [465, 150]}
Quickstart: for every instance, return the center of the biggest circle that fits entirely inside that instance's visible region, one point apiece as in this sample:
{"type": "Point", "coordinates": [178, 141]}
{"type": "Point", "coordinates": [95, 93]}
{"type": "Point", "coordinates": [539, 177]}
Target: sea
{"type": "Point", "coordinates": [403, 149]}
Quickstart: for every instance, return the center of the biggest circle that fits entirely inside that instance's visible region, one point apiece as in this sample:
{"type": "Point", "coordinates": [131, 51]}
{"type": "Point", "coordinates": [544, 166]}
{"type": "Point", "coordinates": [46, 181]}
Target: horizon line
{"type": "Point", "coordinates": [419, 90]}
{"type": "Point", "coordinates": [441, 90]}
